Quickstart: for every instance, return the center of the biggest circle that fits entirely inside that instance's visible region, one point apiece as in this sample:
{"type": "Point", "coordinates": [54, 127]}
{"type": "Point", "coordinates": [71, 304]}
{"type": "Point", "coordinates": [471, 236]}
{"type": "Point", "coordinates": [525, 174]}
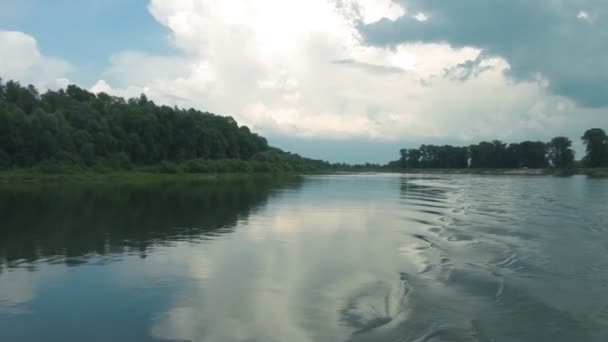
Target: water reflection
{"type": "Point", "coordinates": [325, 273]}
{"type": "Point", "coordinates": [74, 223]}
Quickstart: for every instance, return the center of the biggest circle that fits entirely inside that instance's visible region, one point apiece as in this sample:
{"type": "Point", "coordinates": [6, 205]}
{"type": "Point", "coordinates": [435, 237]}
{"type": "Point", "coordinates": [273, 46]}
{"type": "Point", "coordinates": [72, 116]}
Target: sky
{"type": "Point", "coordinates": [341, 80]}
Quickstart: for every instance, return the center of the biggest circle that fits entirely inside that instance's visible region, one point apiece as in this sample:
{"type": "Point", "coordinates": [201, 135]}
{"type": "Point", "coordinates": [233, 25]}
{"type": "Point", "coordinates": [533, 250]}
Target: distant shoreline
{"type": "Point", "coordinates": [495, 172]}
{"type": "Point", "coordinates": [521, 172]}
{"type": "Point", "coordinates": [598, 172]}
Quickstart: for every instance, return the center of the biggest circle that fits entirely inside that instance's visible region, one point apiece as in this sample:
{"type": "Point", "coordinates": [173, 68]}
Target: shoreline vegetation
{"type": "Point", "coordinates": [75, 135]}
{"type": "Point", "coordinates": [155, 175]}
{"type": "Point", "coordinates": [72, 131]}
{"type": "Point", "coordinates": [592, 172]}
{"type": "Point", "coordinates": [30, 176]}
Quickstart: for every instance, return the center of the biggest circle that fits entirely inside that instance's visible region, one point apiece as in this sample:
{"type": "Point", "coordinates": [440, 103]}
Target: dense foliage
{"type": "Point", "coordinates": [596, 143]}
{"type": "Point", "coordinates": [75, 127]}
{"type": "Point", "coordinates": [498, 155]}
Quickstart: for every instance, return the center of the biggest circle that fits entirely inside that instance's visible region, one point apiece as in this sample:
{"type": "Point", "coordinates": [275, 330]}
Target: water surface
{"type": "Point", "coordinates": [324, 258]}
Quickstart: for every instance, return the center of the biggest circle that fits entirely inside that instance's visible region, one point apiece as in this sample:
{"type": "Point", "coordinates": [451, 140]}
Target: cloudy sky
{"type": "Point", "coordinates": [343, 80]}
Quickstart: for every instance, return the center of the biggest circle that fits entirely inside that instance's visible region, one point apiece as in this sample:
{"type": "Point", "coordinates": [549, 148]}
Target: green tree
{"type": "Point", "coordinates": [560, 153]}
{"type": "Point", "coordinates": [403, 160]}
{"type": "Point", "coordinates": [5, 160]}
{"type": "Point", "coordinates": [413, 158]}
{"type": "Point", "coordinates": [533, 154]}
{"type": "Point", "coordinates": [489, 154]}
{"type": "Point", "coordinates": [513, 153]}
{"type": "Point", "coordinates": [596, 143]}
{"type": "Point", "coordinates": [74, 126]}
{"type": "Point", "coordinates": [24, 98]}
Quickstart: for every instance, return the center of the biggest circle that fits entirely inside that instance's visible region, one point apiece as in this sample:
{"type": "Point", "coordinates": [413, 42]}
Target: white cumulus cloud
{"type": "Point", "coordinates": [301, 68]}
{"type": "Point", "coordinates": [21, 60]}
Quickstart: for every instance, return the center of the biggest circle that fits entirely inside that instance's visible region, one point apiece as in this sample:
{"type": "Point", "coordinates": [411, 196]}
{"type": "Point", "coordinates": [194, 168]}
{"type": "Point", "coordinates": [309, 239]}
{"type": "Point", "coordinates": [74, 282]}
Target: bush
{"type": "Point", "coordinates": [168, 167]}
{"type": "Point", "coordinates": [54, 168]}
{"type": "Point", "coordinates": [260, 166]}
{"type": "Point", "coordinates": [197, 166]}
{"type": "Point", "coordinates": [101, 168]}
{"type": "Point", "coordinates": [67, 158]}
{"type": "Point", "coordinates": [565, 171]}
{"type": "Point", "coordinates": [118, 161]}
{"type": "Point", "coordinates": [221, 167]}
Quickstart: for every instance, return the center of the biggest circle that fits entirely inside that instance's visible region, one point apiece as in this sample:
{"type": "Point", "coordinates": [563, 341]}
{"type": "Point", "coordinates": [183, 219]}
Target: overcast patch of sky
{"type": "Point", "coordinates": [559, 39]}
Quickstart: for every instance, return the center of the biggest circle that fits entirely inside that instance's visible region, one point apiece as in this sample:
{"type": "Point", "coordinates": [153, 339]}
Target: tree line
{"type": "Point", "coordinates": [496, 154]}
{"type": "Point", "coordinates": [75, 128]}
{"type": "Point", "coordinates": [78, 128]}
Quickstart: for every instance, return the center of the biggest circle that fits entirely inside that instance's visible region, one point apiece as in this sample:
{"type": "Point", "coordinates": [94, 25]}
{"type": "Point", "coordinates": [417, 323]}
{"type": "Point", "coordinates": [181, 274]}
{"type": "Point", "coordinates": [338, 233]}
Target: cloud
{"type": "Point", "coordinates": [101, 86]}
{"type": "Point", "coordinates": [21, 60]}
{"type": "Point", "coordinates": [324, 69]}
{"type": "Point", "coordinates": [421, 17]}
{"type": "Point", "coordinates": [562, 40]}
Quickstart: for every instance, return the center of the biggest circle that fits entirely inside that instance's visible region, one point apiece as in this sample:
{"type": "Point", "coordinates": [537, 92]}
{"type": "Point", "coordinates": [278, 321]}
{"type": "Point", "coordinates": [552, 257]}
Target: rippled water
{"type": "Point", "coordinates": [324, 258]}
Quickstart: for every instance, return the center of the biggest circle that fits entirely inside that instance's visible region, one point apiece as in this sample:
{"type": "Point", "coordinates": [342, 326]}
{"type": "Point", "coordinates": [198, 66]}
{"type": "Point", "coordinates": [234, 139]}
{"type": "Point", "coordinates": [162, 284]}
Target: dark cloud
{"type": "Point", "coordinates": [542, 36]}
{"type": "Point", "coordinates": [467, 70]}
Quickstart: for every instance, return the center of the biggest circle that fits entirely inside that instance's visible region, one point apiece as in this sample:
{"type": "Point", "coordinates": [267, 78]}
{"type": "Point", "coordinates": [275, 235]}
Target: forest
{"type": "Point", "coordinates": [75, 129]}
{"type": "Point", "coordinates": [71, 130]}
{"type": "Point", "coordinates": [557, 153]}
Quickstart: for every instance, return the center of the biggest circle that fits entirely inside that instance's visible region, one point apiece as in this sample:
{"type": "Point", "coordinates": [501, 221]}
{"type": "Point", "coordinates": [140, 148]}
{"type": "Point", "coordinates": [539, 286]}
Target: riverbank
{"type": "Point", "coordinates": [596, 173]}
{"type": "Point", "coordinates": [32, 176]}
{"type": "Point", "coordinates": [521, 172]}
{"type": "Point", "coordinates": [591, 172]}
{"type": "Point", "coordinates": [148, 175]}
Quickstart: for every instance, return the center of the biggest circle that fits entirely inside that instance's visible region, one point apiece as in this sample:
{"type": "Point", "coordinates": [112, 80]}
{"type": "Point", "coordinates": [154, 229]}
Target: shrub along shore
{"type": "Point", "coordinates": [133, 176]}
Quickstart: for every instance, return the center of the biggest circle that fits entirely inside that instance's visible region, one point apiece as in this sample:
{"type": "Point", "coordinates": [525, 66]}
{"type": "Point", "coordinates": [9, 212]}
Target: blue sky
{"type": "Point", "coordinates": [349, 81]}
{"type": "Point", "coordinates": [86, 32]}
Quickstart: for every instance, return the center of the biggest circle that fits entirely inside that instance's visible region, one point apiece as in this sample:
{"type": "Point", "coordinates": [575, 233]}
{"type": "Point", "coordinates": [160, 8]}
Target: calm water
{"type": "Point", "coordinates": [325, 258]}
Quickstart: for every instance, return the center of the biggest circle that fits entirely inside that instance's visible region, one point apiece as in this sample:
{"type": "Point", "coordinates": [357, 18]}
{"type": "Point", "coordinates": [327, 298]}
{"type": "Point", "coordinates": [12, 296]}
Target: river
{"type": "Point", "coordinates": [353, 257]}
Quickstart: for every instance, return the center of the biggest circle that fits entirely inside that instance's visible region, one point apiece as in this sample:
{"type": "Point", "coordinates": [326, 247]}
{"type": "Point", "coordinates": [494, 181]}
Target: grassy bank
{"type": "Point", "coordinates": [122, 170]}
{"type": "Point", "coordinates": [142, 176]}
